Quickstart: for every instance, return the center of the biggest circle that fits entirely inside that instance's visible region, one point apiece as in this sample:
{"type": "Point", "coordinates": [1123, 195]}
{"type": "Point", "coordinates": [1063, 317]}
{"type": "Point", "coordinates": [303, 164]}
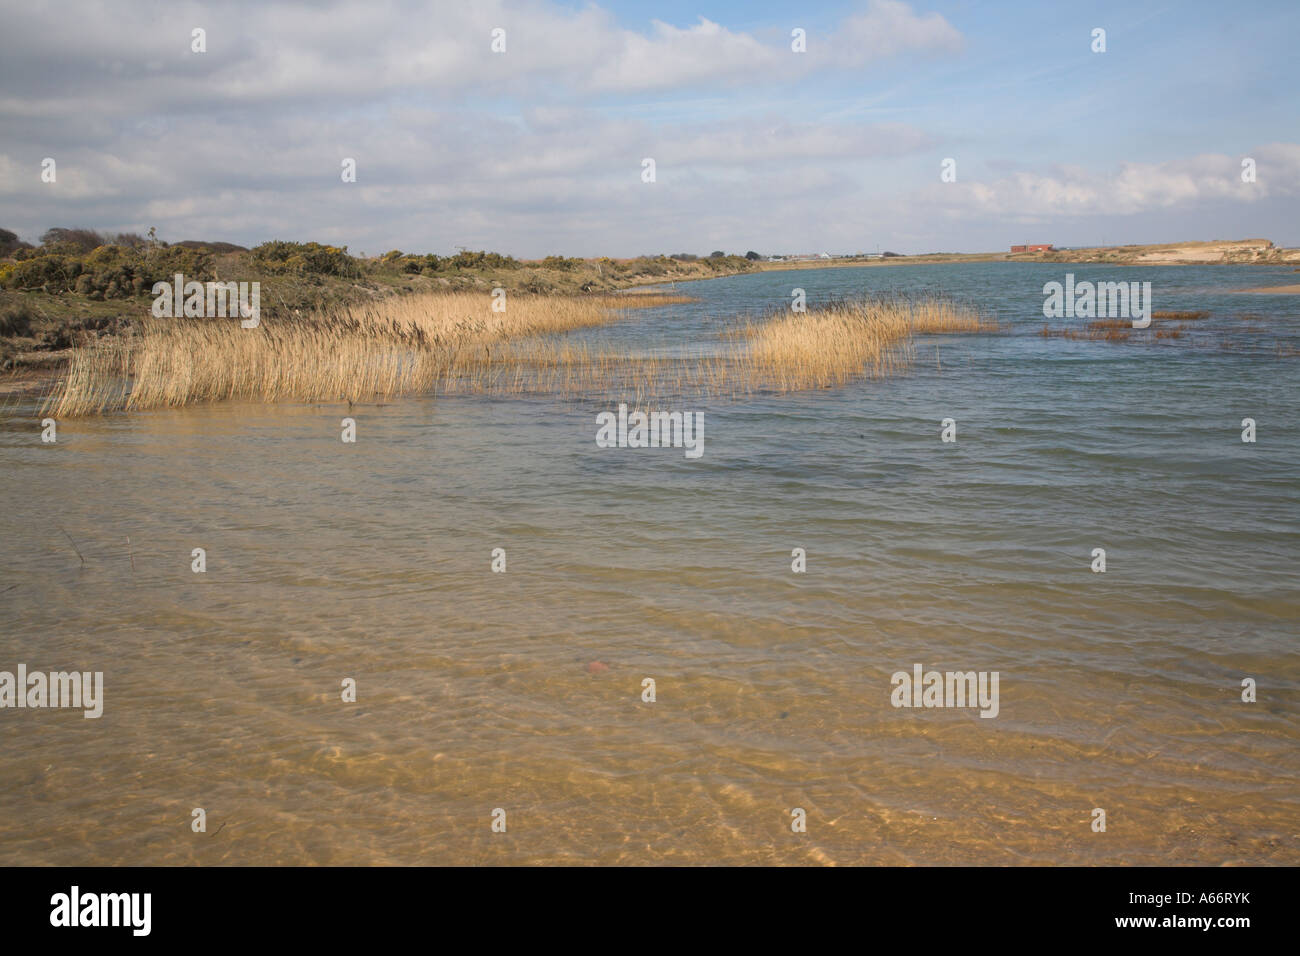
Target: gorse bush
{"type": "Point", "coordinates": [407, 263]}
{"type": "Point", "coordinates": [479, 260]}
{"type": "Point", "coordinates": [56, 273]}
{"type": "Point", "coordinates": [193, 263]}
{"type": "Point", "coordinates": [306, 258]}
{"type": "Point", "coordinates": [107, 271]}
{"type": "Point", "coordinates": [398, 262]}
{"type": "Point", "coordinates": [560, 262]}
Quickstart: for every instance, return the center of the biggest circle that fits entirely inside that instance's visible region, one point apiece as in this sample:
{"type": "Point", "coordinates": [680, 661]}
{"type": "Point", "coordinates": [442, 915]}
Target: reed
{"type": "Point", "coordinates": [454, 342]}
{"type": "Point", "coordinates": [843, 340]}
{"type": "Point", "coordinates": [388, 347]}
{"type": "Point", "coordinates": [822, 348]}
{"type": "Point", "coordinates": [633, 299]}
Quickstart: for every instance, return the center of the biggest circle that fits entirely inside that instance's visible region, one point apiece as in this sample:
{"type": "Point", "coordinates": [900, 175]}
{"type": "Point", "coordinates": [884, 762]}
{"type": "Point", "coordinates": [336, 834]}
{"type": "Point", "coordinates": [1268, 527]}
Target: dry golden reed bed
{"type": "Point", "coordinates": [454, 342]}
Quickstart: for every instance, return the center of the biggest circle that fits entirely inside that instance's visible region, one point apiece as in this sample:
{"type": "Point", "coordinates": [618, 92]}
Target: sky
{"type": "Point", "coordinates": [540, 148]}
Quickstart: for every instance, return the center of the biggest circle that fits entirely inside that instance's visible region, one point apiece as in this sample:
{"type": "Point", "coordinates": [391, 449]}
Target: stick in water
{"type": "Point", "coordinates": [73, 543]}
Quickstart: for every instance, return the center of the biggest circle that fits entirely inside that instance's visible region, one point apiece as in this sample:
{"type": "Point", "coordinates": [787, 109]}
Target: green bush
{"type": "Point", "coordinates": [107, 271]}
{"type": "Point", "coordinates": [306, 258]}
{"type": "Point", "coordinates": [561, 263]}
{"type": "Point", "coordinates": [479, 260]}
{"type": "Point", "coordinates": [54, 273]}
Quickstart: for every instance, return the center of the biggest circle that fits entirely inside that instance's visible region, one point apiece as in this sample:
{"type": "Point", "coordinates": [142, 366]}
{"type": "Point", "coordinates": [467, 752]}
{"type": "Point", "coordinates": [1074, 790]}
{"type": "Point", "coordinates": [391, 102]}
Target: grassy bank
{"type": "Point", "coordinates": [80, 287]}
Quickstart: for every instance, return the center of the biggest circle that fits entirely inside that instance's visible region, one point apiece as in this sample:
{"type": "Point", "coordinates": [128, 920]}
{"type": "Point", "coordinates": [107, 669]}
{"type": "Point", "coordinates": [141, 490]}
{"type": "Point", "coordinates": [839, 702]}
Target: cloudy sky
{"type": "Point", "coordinates": [539, 149]}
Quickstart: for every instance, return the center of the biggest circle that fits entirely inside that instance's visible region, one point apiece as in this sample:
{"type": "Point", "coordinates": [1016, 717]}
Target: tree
{"type": "Point", "coordinates": [717, 254]}
{"type": "Point", "coordinates": [10, 243]}
{"type": "Point", "coordinates": [751, 255]}
{"type": "Point", "coordinates": [72, 240]}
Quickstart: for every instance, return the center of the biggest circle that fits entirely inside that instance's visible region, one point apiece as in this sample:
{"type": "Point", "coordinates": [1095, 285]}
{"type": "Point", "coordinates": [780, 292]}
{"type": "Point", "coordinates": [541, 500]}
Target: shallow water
{"type": "Point", "coordinates": [479, 690]}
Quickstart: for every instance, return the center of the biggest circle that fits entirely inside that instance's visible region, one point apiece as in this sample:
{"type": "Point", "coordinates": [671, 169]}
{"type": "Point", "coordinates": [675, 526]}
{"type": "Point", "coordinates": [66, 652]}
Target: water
{"type": "Point", "coordinates": [522, 690]}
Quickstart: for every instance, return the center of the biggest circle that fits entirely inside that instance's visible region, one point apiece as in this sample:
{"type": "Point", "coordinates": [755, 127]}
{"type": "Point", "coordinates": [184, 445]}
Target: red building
{"type": "Point", "coordinates": [1033, 247]}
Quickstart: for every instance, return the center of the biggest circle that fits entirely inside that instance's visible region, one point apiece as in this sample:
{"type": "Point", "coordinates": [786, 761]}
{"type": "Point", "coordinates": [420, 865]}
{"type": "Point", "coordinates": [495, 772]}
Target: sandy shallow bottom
{"type": "Point", "coordinates": [523, 690]}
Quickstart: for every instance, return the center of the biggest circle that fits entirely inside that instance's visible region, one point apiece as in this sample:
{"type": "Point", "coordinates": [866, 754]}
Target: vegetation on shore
{"type": "Point", "coordinates": [80, 286]}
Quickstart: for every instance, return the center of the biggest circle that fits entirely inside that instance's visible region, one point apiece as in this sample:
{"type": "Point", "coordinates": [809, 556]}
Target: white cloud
{"type": "Point", "coordinates": [534, 151]}
{"type": "Point", "coordinates": [889, 28]}
{"type": "Point", "coordinates": [1133, 188]}
{"type": "Point", "coordinates": [137, 58]}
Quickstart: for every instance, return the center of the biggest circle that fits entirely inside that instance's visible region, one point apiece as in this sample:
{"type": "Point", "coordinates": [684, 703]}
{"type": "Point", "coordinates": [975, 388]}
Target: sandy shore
{"type": "Point", "coordinates": [1221, 252]}
{"type": "Point", "coordinates": [1275, 290]}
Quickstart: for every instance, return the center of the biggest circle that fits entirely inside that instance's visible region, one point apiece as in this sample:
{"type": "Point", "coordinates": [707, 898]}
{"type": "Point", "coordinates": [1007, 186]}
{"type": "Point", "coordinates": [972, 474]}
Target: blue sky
{"type": "Point", "coordinates": [539, 149]}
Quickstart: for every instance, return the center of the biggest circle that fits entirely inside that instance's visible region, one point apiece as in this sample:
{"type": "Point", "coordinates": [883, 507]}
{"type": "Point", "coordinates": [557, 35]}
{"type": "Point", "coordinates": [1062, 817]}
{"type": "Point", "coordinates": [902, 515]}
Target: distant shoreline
{"type": "Point", "coordinates": [1259, 252]}
{"type": "Point", "coordinates": [1273, 290]}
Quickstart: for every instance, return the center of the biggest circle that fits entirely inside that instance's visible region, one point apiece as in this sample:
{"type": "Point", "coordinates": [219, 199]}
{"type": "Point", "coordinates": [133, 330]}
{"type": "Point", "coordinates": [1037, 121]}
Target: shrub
{"type": "Point", "coordinates": [480, 260]}
{"type": "Point", "coordinates": [55, 273]}
{"type": "Point", "coordinates": [162, 264]}
{"type": "Point", "coordinates": [306, 258]}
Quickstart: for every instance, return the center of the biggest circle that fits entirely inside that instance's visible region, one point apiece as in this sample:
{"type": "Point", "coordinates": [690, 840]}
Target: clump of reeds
{"type": "Point", "coordinates": [829, 345]}
{"type": "Point", "coordinates": [643, 300]}
{"type": "Point", "coordinates": [826, 346]}
{"type": "Point", "coordinates": [1180, 316]}
{"type": "Point", "coordinates": [388, 347]}
{"type": "Point", "coordinates": [454, 342]}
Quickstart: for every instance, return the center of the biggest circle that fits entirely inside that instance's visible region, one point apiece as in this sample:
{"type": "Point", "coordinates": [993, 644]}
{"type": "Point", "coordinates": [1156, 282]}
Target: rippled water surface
{"type": "Point", "coordinates": [522, 690]}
